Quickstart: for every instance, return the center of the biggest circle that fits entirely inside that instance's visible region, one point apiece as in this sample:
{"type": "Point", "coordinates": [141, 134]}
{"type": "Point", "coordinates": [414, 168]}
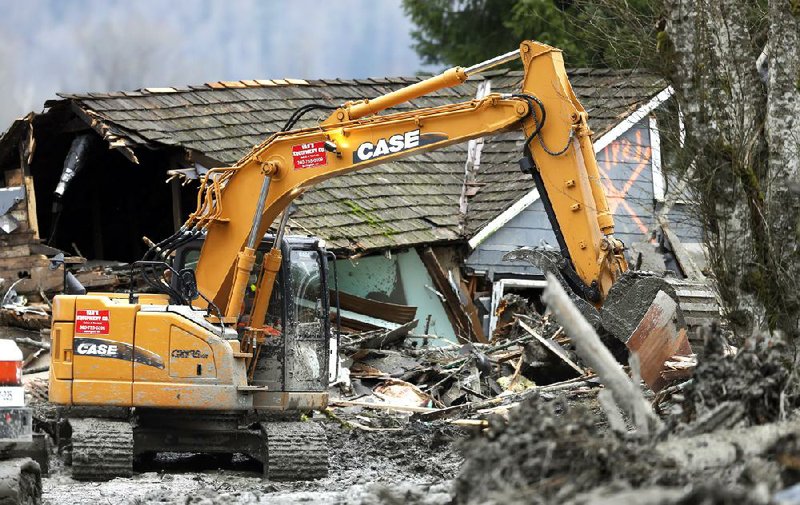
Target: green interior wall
{"type": "Point", "coordinates": [400, 278]}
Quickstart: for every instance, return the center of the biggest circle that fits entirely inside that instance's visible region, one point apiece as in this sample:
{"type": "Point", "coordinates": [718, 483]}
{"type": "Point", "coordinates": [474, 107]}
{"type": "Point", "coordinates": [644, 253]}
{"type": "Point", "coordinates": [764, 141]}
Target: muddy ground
{"type": "Point", "coordinates": [416, 462]}
{"type": "Point", "coordinates": [552, 448]}
{"type": "Point", "coordinates": [406, 461]}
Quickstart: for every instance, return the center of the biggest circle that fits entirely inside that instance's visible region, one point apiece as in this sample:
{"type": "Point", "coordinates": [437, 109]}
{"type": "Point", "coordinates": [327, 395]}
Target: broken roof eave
{"type": "Point", "coordinates": [604, 141]}
{"type": "Point", "coordinates": [104, 128]}
{"type": "Point", "coordinates": [12, 138]}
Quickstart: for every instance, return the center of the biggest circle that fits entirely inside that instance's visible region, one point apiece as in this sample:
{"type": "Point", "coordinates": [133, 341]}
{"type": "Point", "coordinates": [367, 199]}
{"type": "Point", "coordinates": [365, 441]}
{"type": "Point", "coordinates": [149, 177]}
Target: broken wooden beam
{"type": "Point", "coordinates": [553, 348]}
{"type": "Point", "coordinates": [381, 406]}
{"type": "Point", "coordinates": [626, 394]}
{"type": "Point", "coordinates": [456, 313]}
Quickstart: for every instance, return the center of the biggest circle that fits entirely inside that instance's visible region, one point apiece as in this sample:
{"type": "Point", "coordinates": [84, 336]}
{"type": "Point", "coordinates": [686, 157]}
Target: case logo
{"type": "Point", "coordinates": [96, 349]}
{"type": "Point", "coordinates": [113, 349]}
{"type": "Point", "coordinates": [395, 144]}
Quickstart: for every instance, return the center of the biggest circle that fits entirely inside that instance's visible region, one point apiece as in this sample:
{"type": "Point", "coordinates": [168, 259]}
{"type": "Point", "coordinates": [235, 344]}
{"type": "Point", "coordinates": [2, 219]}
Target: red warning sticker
{"type": "Point", "coordinates": [91, 322]}
{"type": "Point", "coordinates": [309, 155]}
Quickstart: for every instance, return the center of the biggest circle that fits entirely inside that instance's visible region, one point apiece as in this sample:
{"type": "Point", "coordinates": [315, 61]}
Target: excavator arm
{"type": "Point", "coordinates": [236, 205]}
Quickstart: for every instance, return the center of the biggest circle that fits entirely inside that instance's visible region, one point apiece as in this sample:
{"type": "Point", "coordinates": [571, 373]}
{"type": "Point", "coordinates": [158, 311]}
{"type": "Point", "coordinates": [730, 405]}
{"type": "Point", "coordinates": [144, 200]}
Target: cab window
{"type": "Point", "coordinates": [307, 286]}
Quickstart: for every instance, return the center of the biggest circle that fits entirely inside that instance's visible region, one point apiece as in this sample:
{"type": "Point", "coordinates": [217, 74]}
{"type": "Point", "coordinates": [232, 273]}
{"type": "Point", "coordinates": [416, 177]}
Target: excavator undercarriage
{"type": "Point", "coordinates": [102, 448]}
{"type": "Point", "coordinates": [257, 414]}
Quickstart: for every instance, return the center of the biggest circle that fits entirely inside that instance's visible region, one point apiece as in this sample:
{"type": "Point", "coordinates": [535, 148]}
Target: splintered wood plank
{"type": "Point", "coordinates": [30, 198]}
{"type": "Point", "coordinates": [453, 308]}
{"type": "Point", "coordinates": [553, 347]}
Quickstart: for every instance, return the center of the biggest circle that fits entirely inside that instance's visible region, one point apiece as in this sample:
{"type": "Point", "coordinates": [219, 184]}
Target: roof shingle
{"type": "Point", "coordinates": [397, 204]}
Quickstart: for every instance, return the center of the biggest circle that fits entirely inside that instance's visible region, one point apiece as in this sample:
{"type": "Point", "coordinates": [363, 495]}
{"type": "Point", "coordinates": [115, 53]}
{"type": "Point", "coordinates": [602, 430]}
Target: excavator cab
{"type": "Point", "coordinates": [300, 350]}
{"type": "Point", "coordinates": [186, 376]}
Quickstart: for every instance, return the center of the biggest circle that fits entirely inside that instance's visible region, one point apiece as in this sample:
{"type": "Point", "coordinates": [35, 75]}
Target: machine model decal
{"type": "Point", "coordinates": [189, 353]}
{"type": "Point", "coordinates": [12, 396]}
{"type": "Point", "coordinates": [92, 322]}
{"type": "Point", "coordinates": [395, 144]}
{"type": "Point", "coordinates": [309, 155]}
{"type": "Point", "coordinates": [102, 348]}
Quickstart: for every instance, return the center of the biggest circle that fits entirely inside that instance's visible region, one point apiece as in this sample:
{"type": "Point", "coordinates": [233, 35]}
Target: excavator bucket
{"type": "Point", "coordinates": [657, 338]}
{"type": "Point", "coordinates": [642, 311]}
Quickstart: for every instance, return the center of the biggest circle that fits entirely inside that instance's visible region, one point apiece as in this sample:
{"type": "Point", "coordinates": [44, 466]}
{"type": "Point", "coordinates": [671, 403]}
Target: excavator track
{"type": "Point", "coordinates": [101, 449]}
{"type": "Point", "coordinates": [295, 451]}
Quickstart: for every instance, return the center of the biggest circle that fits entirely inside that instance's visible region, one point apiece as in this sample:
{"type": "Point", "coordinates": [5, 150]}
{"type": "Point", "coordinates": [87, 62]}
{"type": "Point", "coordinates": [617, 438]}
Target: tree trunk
{"type": "Point", "coordinates": [783, 139]}
{"type": "Point", "coordinates": [742, 148]}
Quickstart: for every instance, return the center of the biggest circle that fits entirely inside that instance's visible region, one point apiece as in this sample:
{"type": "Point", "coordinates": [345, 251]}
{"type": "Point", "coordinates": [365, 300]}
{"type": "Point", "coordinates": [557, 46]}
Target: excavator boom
{"type": "Point", "coordinates": [559, 153]}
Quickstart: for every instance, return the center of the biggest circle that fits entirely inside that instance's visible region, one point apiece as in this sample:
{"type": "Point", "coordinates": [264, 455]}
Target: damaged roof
{"type": "Point", "coordinates": [403, 203]}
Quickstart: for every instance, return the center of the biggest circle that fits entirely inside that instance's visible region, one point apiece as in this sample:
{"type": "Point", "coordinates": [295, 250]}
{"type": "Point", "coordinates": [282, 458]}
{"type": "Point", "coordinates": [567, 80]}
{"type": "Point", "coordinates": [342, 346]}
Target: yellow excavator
{"type": "Point", "coordinates": [235, 338]}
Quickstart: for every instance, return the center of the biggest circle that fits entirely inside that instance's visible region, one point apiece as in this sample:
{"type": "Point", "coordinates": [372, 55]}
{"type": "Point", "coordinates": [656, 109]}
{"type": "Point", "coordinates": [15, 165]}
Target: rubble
{"type": "Point", "coordinates": [544, 447]}
{"type": "Point", "coordinates": [532, 415]}
{"type": "Point", "coordinates": [464, 379]}
{"type": "Point", "coordinates": [758, 378]}
{"type": "Point", "coordinates": [731, 443]}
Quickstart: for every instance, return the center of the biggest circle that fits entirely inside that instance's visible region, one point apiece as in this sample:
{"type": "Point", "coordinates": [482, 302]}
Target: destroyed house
{"type": "Point", "coordinates": [95, 172]}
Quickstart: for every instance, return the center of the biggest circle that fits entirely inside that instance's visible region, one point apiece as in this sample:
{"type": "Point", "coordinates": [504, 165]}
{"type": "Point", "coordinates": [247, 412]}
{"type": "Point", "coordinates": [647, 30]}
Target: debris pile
{"type": "Point", "coordinates": [553, 452]}
{"type": "Point", "coordinates": [548, 451]}
{"type": "Point", "coordinates": [731, 441]}
{"type": "Point", "coordinates": [755, 385]}
{"type": "Point", "coordinates": [26, 302]}
{"type": "Point", "coordinates": [528, 353]}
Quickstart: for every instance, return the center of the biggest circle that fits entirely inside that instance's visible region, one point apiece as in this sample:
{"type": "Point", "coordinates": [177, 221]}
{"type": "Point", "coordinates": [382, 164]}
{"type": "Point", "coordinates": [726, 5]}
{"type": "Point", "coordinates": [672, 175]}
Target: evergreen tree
{"type": "Point", "coordinates": [604, 33]}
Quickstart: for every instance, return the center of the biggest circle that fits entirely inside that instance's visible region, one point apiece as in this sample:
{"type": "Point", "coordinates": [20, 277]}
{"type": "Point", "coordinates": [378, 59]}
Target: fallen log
{"type": "Point", "coordinates": [723, 448]}
{"type": "Point", "coordinates": [626, 394]}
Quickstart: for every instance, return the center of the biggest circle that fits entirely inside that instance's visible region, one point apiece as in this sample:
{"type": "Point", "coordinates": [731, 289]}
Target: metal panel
{"type": "Point", "coordinates": [9, 197]}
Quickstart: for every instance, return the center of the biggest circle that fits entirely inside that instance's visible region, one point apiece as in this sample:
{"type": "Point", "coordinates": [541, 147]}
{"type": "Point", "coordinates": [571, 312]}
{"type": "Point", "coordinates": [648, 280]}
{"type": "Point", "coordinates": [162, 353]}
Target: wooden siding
{"type": "Point", "coordinates": [626, 168]}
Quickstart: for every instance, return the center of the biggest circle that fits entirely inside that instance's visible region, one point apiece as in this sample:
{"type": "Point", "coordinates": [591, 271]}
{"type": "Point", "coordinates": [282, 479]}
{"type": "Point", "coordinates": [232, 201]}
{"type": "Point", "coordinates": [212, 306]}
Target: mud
{"type": "Point", "coordinates": [555, 453]}
{"type": "Point", "coordinates": [549, 451]}
{"type": "Point", "coordinates": [552, 450]}
{"type": "Point", "coordinates": [754, 386]}
{"type": "Point", "coordinates": [628, 301]}
{"type": "Point", "coordinates": [414, 464]}
{"type": "Point", "coordinates": [705, 494]}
